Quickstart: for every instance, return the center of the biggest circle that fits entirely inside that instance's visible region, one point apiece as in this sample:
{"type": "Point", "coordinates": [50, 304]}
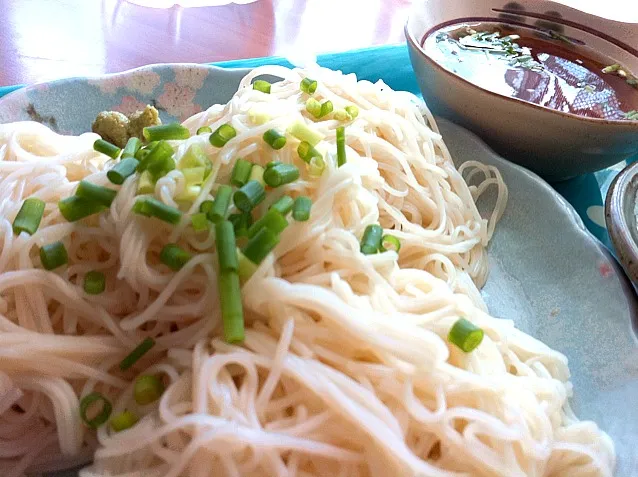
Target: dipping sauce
{"type": "Point", "coordinates": [537, 66]}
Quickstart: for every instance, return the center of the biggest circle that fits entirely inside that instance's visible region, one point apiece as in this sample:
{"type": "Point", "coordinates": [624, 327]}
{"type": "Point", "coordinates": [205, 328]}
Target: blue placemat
{"type": "Point", "coordinates": [392, 64]}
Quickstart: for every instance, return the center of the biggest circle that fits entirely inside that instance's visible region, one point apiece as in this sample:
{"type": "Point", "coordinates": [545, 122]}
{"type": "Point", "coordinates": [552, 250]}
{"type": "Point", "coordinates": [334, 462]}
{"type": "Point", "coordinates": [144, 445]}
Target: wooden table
{"type": "Point", "coordinates": [46, 39]}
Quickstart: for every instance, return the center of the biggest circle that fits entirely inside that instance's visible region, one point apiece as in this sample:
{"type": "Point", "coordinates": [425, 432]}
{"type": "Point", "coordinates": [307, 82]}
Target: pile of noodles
{"type": "Point", "coordinates": [345, 371]}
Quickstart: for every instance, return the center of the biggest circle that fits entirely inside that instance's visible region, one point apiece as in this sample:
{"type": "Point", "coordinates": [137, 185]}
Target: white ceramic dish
{"type": "Point", "coordinates": [555, 144]}
{"type": "Point", "coordinates": [548, 273]}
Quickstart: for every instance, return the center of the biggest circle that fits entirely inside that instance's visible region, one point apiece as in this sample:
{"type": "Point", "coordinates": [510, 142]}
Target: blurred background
{"type": "Point", "coordinates": [47, 39]}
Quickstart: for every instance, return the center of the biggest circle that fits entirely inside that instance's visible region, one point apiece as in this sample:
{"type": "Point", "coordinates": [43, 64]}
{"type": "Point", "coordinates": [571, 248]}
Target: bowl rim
{"type": "Point", "coordinates": [620, 229]}
{"type": "Point", "coordinates": [415, 44]}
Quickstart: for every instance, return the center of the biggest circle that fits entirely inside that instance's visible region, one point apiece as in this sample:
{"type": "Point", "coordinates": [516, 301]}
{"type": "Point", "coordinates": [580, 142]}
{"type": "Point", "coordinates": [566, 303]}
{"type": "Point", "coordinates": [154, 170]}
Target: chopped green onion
{"type": "Point", "coordinates": [222, 135]}
{"type": "Point", "coordinates": [307, 152]}
{"type": "Point", "coordinates": [221, 204]}
{"type": "Point", "coordinates": [283, 205]}
{"type": "Point", "coordinates": [465, 335]}
{"type": "Point", "coordinates": [29, 216]}
{"type": "Point", "coordinates": [204, 130]}
{"type": "Point", "coordinates": [94, 282]}
{"type": "Point", "coordinates": [272, 163]}
{"type": "Point", "coordinates": [261, 85]}
{"type": "Point", "coordinates": [274, 139]}
{"type": "Point", "coordinates": [147, 389]}
{"type": "Point", "coordinates": [151, 207]}
{"type": "Point", "coordinates": [326, 108]}
{"type": "Point", "coordinates": [371, 240]}
{"type": "Point", "coordinates": [189, 194]}
{"type": "Point", "coordinates": [352, 111]}
{"type": "Point", "coordinates": [611, 68]}
{"type": "Point", "coordinates": [303, 132]}
{"type": "Point", "coordinates": [142, 153]}
{"type": "Point", "coordinates": [341, 115]}
{"type": "Point", "coordinates": [104, 411]}
{"type": "Point", "coordinates": [145, 183]}
{"type": "Point", "coordinates": [158, 156]}
{"type": "Point", "coordinates": [161, 168]}
{"type": "Point", "coordinates": [101, 195]}
{"type": "Point", "coordinates": [231, 306]}
{"type": "Point", "coordinates": [199, 222]}
{"type": "Point", "coordinates": [132, 146]}
{"type": "Point", "coordinates": [341, 146]}
{"type": "Point", "coordinates": [313, 107]}
{"type": "Point", "coordinates": [206, 206]}
{"type": "Point", "coordinates": [226, 247]}
{"type": "Point", "coordinates": [107, 148]}
{"type": "Point", "coordinates": [257, 174]}
{"type": "Point", "coordinates": [241, 172]}
{"type": "Point", "coordinates": [194, 157]}
{"type": "Point", "coordinates": [166, 132]}
{"type": "Point", "coordinates": [246, 267]}
{"type": "Point", "coordinates": [124, 420]}
{"type": "Point", "coordinates": [281, 174]}
{"type": "Point", "coordinates": [53, 255]}
{"type": "Point", "coordinates": [390, 242]}
{"type": "Point", "coordinates": [194, 175]}
{"type": "Point", "coordinates": [174, 257]}
{"type": "Point", "coordinates": [273, 220]}
{"type": "Point", "coordinates": [135, 355]}
{"type": "Point", "coordinates": [301, 209]}
{"type": "Point", "coordinates": [249, 196]}
{"type": "Point", "coordinates": [123, 169]}
{"type": "Point", "coordinates": [241, 223]}
{"type": "Point", "coordinates": [317, 166]}
{"type": "Point", "coordinates": [308, 85]}
{"type": "Point", "coordinates": [260, 245]}
{"type": "Point", "coordinates": [75, 208]}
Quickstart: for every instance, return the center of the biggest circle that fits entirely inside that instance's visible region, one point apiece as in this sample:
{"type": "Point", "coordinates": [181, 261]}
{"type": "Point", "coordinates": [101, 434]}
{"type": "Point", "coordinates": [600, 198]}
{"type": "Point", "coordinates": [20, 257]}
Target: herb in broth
{"type": "Point", "coordinates": [632, 115]}
{"type": "Point", "coordinates": [619, 70]}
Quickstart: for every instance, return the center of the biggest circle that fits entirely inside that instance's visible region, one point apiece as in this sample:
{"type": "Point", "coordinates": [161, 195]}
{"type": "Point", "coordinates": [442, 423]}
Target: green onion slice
{"type": "Point", "coordinates": [241, 223]}
{"type": "Point", "coordinates": [249, 196]}
{"type": "Point", "coordinates": [75, 208]}
{"type": "Point", "coordinates": [465, 335]}
{"type": "Point", "coordinates": [231, 306]}
{"type": "Point", "coordinates": [241, 172]}
{"type": "Point", "coordinates": [123, 169]}
{"type": "Point", "coordinates": [93, 192]}
{"type": "Point", "coordinates": [165, 132]}
{"type": "Point", "coordinates": [206, 206]}
{"type": "Point", "coordinates": [261, 85]}
{"type": "Point", "coordinates": [352, 111]}
{"type": "Point", "coordinates": [371, 240]}
{"type": "Point", "coordinates": [221, 204]}
{"type": "Point", "coordinates": [124, 420]}
{"type": "Point", "coordinates": [135, 355]}
{"type": "Point", "coordinates": [94, 282]}
{"type": "Point", "coordinates": [174, 257]}
{"type": "Point", "coordinates": [326, 108]}
{"type": "Point", "coordinates": [260, 245]}
{"type": "Point", "coordinates": [274, 139]}
{"type": "Point", "coordinates": [29, 216]}
{"type": "Point", "coordinates": [151, 207]}
{"type": "Point", "coordinates": [341, 146]}
{"type": "Point", "coordinates": [226, 247]}
{"type": "Point", "coordinates": [199, 222]}
{"type": "Point", "coordinates": [246, 267]}
{"type": "Point", "coordinates": [283, 205]}
{"type": "Point", "coordinates": [273, 220]}
{"type": "Point", "coordinates": [257, 174]}
{"type": "Point", "coordinates": [281, 174]}
{"type": "Point", "coordinates": [103, 414]}
{"type": "Point", "coordinates": [390, 242]}
{"type": "Point", "coordinates": [107, 148]}
{"type": "Point", "coordinates": [307, 152]}
{"type": "Point", "coordinates": [147, 389]}
{"type": "Point", "coordinates": [308, 86]}
{"type": "Point", "coordinates": [132, 146]}
{"type": "Point", "coordinates": [204, 130]}
{"type": "Point", "coordinates": [301, 209]}
{"type": "Point", "coordinates": [53, 255]}
{"type": "Point", "coordinates": [222, 135]}
{"type": "Point", "coordinates": [313, 107]}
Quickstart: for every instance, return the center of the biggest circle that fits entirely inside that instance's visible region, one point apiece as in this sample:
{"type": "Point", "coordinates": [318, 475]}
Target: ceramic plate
{"type": "Point", "coordinates": [548, 273]}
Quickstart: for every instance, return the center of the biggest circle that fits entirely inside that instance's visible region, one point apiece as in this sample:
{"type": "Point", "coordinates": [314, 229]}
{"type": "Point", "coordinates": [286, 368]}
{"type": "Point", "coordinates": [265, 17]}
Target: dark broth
{"type": "Point", "coordinates": [536, 66]}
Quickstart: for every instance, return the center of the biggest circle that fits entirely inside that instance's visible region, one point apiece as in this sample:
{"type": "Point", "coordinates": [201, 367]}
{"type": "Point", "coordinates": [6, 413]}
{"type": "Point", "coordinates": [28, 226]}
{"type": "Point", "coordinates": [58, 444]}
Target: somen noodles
{"type": "Point", "coordinates": [349, 366]}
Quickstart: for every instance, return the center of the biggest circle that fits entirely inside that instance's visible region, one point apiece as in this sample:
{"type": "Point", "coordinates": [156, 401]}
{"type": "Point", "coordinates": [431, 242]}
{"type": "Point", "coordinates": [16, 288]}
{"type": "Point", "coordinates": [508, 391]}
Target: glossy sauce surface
{"type": "Point", "coordinates": [537, 66]}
